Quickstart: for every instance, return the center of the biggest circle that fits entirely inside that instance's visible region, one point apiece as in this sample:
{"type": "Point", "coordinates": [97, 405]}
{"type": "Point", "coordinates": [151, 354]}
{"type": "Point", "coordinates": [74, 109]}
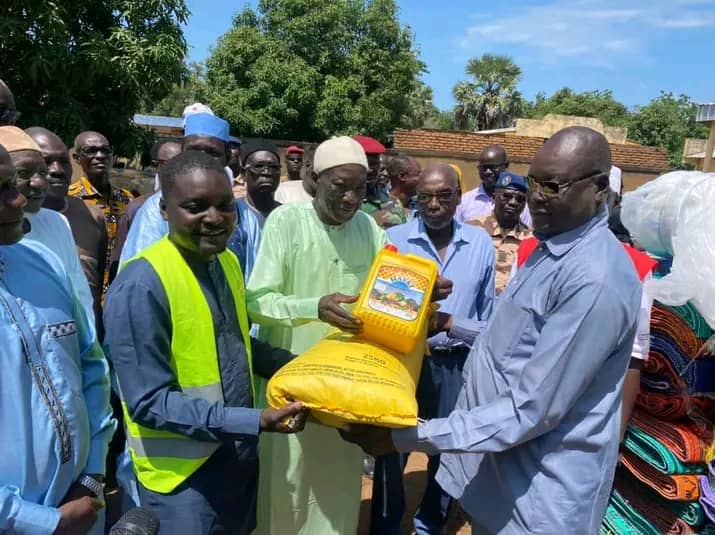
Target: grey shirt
{"type": "Point", "coordinates": [532, 444]}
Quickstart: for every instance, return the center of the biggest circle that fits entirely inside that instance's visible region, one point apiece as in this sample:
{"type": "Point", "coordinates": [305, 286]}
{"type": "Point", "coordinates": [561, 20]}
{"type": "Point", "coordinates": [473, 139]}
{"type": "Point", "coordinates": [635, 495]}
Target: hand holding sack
{"type": "Point", "coordinates": [369, 377]}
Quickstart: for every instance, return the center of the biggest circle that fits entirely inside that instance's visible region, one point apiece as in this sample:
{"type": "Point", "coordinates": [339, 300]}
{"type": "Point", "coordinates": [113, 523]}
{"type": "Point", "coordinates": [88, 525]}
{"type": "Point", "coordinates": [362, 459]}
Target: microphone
{"type": "Point", "coordinates": [136, 521]}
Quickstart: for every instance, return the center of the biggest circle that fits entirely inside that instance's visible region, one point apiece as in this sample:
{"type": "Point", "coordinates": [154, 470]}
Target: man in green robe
{"type": "Point", "coordinates": [313, 259]}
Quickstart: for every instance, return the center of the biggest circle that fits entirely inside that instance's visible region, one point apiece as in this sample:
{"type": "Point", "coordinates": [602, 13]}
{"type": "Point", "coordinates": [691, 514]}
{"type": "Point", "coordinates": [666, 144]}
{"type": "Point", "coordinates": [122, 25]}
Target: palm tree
{"type": "Point", "coordinates": [421, 106]}
{"type": "Point", "coordinates": [491, 99]}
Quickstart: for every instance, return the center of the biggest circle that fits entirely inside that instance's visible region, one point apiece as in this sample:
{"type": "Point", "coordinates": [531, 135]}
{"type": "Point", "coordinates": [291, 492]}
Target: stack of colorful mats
{"type": "Point", "coordinates": [663, 482]}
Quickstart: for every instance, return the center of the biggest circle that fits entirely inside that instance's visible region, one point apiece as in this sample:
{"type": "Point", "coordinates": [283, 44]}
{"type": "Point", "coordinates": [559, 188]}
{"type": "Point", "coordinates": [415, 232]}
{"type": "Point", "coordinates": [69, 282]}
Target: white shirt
{"type": "Point", "coordinates": [52, 230]}
{"type": "Point", "coordinates": [292, 191]}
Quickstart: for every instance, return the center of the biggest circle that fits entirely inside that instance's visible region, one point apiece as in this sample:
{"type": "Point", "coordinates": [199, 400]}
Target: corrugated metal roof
{"type": "Point", "coordinates": [158, 120]}
{"type": "Point", "coordinates": [706, 112]}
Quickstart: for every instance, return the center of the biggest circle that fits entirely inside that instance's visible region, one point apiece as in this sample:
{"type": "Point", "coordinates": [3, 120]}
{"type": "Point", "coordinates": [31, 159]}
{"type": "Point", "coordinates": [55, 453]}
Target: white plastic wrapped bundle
{"type": "Point", "coordinates": [674, 215]}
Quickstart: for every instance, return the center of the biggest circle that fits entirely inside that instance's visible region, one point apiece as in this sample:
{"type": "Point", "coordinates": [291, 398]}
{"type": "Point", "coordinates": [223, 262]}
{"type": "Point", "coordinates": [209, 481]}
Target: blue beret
{"type": "Point", "coordinates": [205, 124]}
{"type": "Point", "coordinates": [512, 180]}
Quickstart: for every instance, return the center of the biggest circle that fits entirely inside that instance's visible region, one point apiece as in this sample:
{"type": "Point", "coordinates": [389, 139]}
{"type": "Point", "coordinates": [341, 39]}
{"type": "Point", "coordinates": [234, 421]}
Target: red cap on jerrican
{"type": "Point", "coordinates": [390, 247]}
{"type": "Point", "coordinates": [294, 149]}
{"type": "Point", "coordinates": [370, 145]}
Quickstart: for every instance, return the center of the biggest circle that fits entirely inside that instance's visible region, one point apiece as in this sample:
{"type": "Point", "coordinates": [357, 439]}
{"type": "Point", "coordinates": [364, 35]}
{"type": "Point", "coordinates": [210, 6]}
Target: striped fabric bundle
{"type": "Point", "coordinates": [662, 484]}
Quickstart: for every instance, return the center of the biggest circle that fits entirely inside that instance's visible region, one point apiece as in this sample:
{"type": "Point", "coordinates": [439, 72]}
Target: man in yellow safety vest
{"type": "Point", "coordinates": [178, 335]}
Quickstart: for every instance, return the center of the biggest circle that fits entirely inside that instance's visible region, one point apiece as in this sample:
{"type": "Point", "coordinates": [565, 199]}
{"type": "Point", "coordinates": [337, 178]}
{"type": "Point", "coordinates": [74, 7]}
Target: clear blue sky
{"type": "Point", "coordinates": [633, 47]}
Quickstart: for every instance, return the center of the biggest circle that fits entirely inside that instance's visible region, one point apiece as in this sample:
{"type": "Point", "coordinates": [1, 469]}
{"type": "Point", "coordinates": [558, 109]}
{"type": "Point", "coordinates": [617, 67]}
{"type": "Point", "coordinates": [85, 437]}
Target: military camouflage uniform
{"type": "Point", "coordinates": [506, 246]}
{"type": "Point", "coordinates": [389, 212]}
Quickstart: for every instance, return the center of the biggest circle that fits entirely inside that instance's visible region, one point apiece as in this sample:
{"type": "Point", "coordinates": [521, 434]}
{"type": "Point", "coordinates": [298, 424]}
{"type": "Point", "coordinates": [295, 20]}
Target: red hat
{"type": "Point", "coordinates": [370, 145]}
{"type": "Point", "coordinates": [294, 149]}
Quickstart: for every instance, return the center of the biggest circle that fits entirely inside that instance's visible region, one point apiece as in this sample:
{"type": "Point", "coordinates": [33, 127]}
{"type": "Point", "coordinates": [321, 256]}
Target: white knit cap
{"type": "Point", "coordinates": [338, 151]}
{"type": "Point", "coordinates": [193, 109]}
{"type": "Point", "coordinates": [614, 179]}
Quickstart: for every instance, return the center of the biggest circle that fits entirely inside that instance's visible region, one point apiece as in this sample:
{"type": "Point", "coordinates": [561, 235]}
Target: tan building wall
{"type": "Point", "coordinates": [552, 123]}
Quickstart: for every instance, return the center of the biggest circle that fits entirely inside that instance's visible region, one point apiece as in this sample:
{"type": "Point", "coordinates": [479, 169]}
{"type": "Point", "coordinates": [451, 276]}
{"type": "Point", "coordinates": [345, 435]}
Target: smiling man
{"type": "Point", "coordinates": [93, 152]}
{"type": "Point", "coordinates": [504, 225]}
{"type": "Point", "coordinates": [55, 419]}
{"type": "Point", "coordinates": [314, 257]}
{"type": "Point", "coordinates": [532, 444]}
{"type": "Point", "coordinates": [178, 335]}
{"type": "Point", "coordinates": [43, 225]}
{"type": "Point", "coordinates": [206, 133]}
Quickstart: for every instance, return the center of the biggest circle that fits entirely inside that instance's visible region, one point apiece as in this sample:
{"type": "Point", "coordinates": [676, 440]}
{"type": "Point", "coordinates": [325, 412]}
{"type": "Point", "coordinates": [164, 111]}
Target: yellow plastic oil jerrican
{"type": "Point", "coordinates": [394, 305]}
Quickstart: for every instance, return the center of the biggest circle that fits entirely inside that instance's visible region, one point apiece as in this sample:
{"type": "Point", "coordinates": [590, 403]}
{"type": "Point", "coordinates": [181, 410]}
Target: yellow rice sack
{"type": "Point", "coordinates": [344, 378]}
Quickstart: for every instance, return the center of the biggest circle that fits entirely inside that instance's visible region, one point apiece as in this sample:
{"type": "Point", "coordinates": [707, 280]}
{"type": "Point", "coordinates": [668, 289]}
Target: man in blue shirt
{"type": "Point", "coordinates": [55, 418]}
{"type": "Point", "coordinates": [209, 134]}
{"type": "Point", "coordinates": [532, 444]}
{"type": "Point", "coordinates": [465, 255]}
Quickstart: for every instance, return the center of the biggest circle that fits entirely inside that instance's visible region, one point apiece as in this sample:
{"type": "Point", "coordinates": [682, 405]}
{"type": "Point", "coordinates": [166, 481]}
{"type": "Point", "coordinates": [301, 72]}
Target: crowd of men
{"type": "Point", "coordinates": [139, 333]}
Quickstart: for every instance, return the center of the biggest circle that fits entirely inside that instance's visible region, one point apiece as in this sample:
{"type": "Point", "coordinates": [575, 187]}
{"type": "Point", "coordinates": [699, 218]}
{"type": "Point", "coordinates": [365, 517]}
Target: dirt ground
{"type": "Point", "coordinates": [415, 479]}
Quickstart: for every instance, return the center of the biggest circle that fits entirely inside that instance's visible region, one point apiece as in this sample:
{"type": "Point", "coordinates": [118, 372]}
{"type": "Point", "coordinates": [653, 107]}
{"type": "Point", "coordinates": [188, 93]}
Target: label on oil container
{"type": "Point", "coordinates": [398, 292]}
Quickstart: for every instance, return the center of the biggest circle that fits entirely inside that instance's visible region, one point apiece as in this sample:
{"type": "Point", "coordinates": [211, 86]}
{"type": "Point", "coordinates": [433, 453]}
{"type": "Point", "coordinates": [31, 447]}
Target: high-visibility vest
{"type": "Point", "coordinates": [162, 459]}
{"type": "Point", "coordinates": [643, 263]}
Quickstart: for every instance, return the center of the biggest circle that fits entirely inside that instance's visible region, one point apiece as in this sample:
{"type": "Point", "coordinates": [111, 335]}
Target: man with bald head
{"type": "Point", "coordinates": [55, 420]}
{"type": "Point", "coordinates": [87, 223]}
{"type": "Point", "coordinates": [533, 440]}
{"type": "Point", "coordinates": [93, 153]}
{"type": "Point", "coordinates": [161, 153]}
{"type": "Point", "coordinates": [42, 225]}
{"type": "Point", "coordinates": [404, 172]}
{"type": "Point", "coordinates": [8, 113]}
{"type": "Point", "coordinates": [493, 161]}
{"type": "Point", "coordinates": [465, 256]}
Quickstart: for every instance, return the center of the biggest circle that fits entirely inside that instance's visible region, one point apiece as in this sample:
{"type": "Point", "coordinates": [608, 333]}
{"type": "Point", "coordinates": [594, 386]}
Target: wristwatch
{"type": "Point", "coordinates": [92, 484]}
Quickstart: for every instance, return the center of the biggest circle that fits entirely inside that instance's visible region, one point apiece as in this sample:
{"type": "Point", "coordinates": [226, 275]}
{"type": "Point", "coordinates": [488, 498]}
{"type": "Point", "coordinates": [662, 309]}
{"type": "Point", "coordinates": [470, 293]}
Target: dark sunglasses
{"type": "Point", "coordinates": [443, 197]}
{"type": "Point", "coordinates": [271, 168]}
{"type": "Point", "coordinates": [551, 189]}
{"type": "Point", "coordinates": [92, 150]}
{"type": "Point", "coordinates": [491, 167]}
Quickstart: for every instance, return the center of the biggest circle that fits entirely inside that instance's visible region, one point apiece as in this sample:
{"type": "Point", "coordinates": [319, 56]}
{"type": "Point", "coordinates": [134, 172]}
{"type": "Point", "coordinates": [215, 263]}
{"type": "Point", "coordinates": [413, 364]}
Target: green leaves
{"type": "Point", "coordinates": [490, 99]}
{"type": "Point", "coordinates": [598, 104]}
{"type": "Point", "coordinates": [91, 64]}
{"type": "Point", "coordinates": [310, 69]}
{"type": "Point", "coordinates": [665, 122]}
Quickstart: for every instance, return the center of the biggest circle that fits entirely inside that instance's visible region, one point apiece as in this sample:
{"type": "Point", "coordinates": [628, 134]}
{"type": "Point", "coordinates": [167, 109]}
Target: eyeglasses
{"type": "Point", "coordinates": [271, 168]}
{"type": "Point", "coordinates": [8, 116]}
{"type": "Point", "coordinates": [443, 197]}
{"type": "Point", "coordinates": [92, 150]}
{"type": "Point", "coordinates": [551, 189]}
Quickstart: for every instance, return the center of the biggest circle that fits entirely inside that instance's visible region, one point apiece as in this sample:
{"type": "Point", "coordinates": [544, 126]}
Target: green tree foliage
{"type": "Point", "coordinates": [442, 120]}
{"type": "Point", "coordinates": [91, 64]}
{"type": "Point", "coordinates": [490, 98]}
{"type": "Point", "coordinates": [565, 101]}
{"type": "Point", "coordinates": [308, 69]}
{"type": "Point", "coordinates": [189, 90]}
{"type": "Point", "coordinates": [421, 109]}
{"type": "Point", "coordinates": [665, 122]}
